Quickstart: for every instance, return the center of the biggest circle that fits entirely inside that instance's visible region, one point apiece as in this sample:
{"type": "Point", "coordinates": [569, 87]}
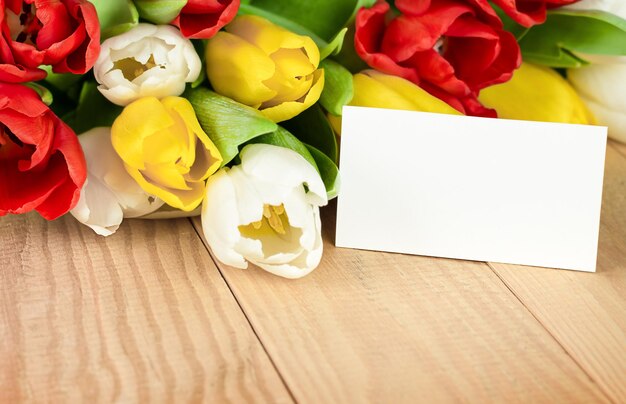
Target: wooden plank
{"type": "Point", "coordinates": [378, 327]}
{"type": "Point", "coordinates": [586, 312]}
{"type": "Point", "coordinates": [620, 147]}
{"type": "Point", "coordinates": [142, 316]}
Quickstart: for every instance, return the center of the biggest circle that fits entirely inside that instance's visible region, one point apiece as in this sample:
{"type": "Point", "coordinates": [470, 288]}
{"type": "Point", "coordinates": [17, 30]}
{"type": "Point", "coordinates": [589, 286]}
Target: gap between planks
{"type": "Point", "coordinates": [505, 287]}
{"type": "Point", "coordinates": [547, 329]}
{"type": "Point", "coordinates": [586, 312]}
{"type": "Point", "coordinates": [620, 147]}
{"type": "Point", "coordinates": [245, 314]}
{"type": "Point", "coordinates": [590, 374]}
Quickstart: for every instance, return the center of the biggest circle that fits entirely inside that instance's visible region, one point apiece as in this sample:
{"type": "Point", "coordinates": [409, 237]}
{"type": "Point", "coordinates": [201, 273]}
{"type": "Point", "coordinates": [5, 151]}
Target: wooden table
{"type": "Point", "coordinates": [148, 316]}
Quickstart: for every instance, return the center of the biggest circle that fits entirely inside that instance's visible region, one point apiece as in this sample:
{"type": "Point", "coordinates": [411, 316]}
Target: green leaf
{"type": "Point", "coordinates": [324, 21]}
{"type": "Point", "coordinates": [312, 127]}
{"type": "Point", "coordinates": [159, 11]}
{"type": "Point", "coordinates": [328, 171]}
{"type": "Point", "coordinates": [200, 46]}
{"type": "Point", "coordinates": [338, 87]}
{"type": "Point", "coordinates": [280, 20]}
{"type": "Point", "coordinates": [283, 138]}
{"type": "Point", "coordinates": [228, 123]}
{"type": "Point", "coordinates": [115, 16]}
{"type": "Point", "coordinates": [44, 93]}
{"type": "Point", "coordinates": [360, 4]}
{"type": "Point", "coordinates": [567, 32]}
{"type": "Point", "coordinates": [61, 81]}
{"type": "Point", "coordinates": [93, 110]}
{"type": "Point", "coordinates": [64, 88]}
{"type": "Point", "coordinates": [334, 47]}
{"type": "Point", "coordinates": [348, 57]}
{"type": "Point", "coordinates": [323, 17]}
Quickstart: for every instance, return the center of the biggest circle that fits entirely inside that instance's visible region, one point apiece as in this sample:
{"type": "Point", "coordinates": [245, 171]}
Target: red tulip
{"type": "Point", "coordinates": [62, 33]}
{"type": "Point", "coordinates": [529, 12]}
{"type": "Point", "coordinates": [451, 48]}
{"type": "Point", "coordinates": [201, 19]}
{"type": "Point", "coordinates": [42, 164]}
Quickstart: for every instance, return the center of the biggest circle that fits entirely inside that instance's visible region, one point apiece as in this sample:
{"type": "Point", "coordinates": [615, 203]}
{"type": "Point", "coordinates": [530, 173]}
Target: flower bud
{"type": "Point", "coordinates": [147, 61]}
{"type": "Point", "coordinates": [266, 211]}
{"type": "Point", "coordinates": [109, 194]}
{"type": "Point", "coordinates": [379, 90]}
{"type": "Point", "coordinates": [266, 67]}
{"type": "Point", "coordinates": [602, 88]}
{"type": "Point", "coordinates": [537, 93]}
{"type": "Point", "coordinates": [165, 150]}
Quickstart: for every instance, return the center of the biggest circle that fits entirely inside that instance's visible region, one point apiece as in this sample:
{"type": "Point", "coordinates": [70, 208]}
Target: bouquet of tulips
{"type": "Point", "coordinates": [231, 109]}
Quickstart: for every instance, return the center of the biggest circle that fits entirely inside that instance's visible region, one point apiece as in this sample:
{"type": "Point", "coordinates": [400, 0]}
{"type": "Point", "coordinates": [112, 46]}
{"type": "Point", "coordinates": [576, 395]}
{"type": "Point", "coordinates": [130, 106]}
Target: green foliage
{"type": "Point", "coordinates": [159, 11]}
{"type": "Point", "coordinates": [115, 16]}
{"type": "Point", "coordinates": [283, 138]}
{"type": "Point", "coordinates": [338, 87]}
{"type": "Point", "coordinates": [93, 110]}
{"type": "Point", "coordinates": [324, 21]}
{"type": "Point", "coordinates": [228, 123]}
{"type": "Point", "coordinates": [567, 34]}
{"type": "Point", "coordinates": [312, 127]}
{"type": "Point", "coordinates": [45, 94]}
{"type": "Point", "coordinates": [200, 47]}
{"type": "Point", "coordinates": [334, 47]}
{"type": "Point", "coordinates": [328, 171]}
{"type": "Point", "coordinates": [323, 17]}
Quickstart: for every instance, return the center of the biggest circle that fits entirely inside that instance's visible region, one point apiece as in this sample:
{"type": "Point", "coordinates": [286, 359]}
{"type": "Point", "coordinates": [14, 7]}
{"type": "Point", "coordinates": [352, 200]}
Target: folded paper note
{"type": "Point", "coordinates": [471, 188]}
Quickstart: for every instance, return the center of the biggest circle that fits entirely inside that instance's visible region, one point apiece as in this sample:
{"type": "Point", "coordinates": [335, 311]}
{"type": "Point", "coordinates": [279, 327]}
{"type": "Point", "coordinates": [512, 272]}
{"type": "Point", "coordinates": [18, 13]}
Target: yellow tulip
{"type": "Point", "coordinates": [165, 150]}
{"type": "Point", "coordinates": [380, 90]}
{"type": "Point", "coordinates": [537, 93]}
{"type": "Point", "coordinates": [266, 67]}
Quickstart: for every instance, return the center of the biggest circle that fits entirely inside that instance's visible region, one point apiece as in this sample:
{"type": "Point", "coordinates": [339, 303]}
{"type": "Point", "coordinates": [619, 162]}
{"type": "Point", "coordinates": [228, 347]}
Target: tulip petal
{"type": "Point", "coordinates": [615, 120]}
{"type": "Point", "coordinates": [186, 200]}
{"type": "Point", "coordinates": [288, 110]}
{"type": "Point", "coordinates": [375, 89]}
{"type": "Point", "coordinates": [204, 159]}
{"type": "Point", "coordinates": [98, 208]}
{"type": "Point", "coordinates": [271, 38]}
{"type": "Point", "coordinates": [602, 88]}
{"type": "Point", "coordinates": [201, 19]}
{"type": "Point", "coordinates": [259, 211]}
{"type": "Point", "coordinates": [249, 203]}
{"type": "Point", "coordinates": [146, 61]}
{"type": "Point", "coordinates": [158, 142]}
{"type": "Point", "coordinates": [128, 134]}
{"type": "Point", "coordinates": [103, 162]}
{"type": "Point", "coordinates": [110, 194]}
{"type": "Point", "coordinates": [519, 99]}
{"type": "Point", "coordinates": [283, 167]}
{"type": "Point", "coordinates": [229, 69]}
{"type": "Point", "coordinates": [220, 219]}
{"type": "Point", "coordinates": [602, 83]}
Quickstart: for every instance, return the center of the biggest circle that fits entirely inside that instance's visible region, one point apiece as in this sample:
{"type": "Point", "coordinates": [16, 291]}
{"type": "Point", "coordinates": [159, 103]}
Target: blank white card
{"type": "Point", "coordinates": [471, 188]}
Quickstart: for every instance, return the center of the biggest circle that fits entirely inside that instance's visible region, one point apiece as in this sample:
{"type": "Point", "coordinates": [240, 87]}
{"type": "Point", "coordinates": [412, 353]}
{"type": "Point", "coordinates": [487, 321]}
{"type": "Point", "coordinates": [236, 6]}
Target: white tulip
{"type": "Point", "coordinates": [149, 60]}
{"type": "Point", "coordinates": [266, 211]}
{"type": "Point", "coordinates": [602, 88]}
{"type": "Point", "coordinates": [602, 84]}
{"type": "Point", "coordinates": [110, 193]}
{"type": "Point", "coordinates": [617, 7]}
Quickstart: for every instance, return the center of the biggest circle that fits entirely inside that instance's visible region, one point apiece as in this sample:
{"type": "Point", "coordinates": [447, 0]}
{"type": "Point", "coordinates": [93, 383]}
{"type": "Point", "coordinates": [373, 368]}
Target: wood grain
{"type": "Point", "coordinates": [146, 316]}
{"type": "Point", "coordinates": [381, 327]}
{"type": "Point", "coordinates": [586, 312]}
{"type": "Point", "coordinates": [620, 147]}
{"type": "Point", "coordinates": [142, 316]}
